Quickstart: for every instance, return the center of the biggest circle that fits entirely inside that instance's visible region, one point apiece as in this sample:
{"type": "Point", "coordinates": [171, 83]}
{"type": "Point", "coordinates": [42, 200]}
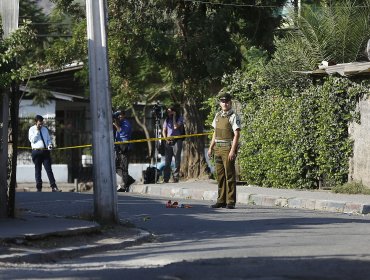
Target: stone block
{"type": "Point", "coordinates": [328, 205]}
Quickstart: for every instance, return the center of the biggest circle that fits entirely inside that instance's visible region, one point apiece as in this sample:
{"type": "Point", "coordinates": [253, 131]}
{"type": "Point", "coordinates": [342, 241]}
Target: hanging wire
{"type": "Point", "coordinates": [252, 5]}
{"type": "Point", "coordinates": [233, 4]}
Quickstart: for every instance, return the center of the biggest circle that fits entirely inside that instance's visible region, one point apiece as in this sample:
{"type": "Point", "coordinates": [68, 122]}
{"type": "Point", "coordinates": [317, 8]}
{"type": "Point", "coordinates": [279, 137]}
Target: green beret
{"type": "Point", "coordinates": [224, 95]}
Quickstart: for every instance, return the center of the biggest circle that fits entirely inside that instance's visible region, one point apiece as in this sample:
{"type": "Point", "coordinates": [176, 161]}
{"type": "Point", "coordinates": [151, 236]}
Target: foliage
{"type": "Point", "coordinates": [157, 46]}
{"type": "Point", "coordinates": [298, 139]}
{"type": "Point", "coordinates": [351, 188]}
{"type": "Point", "coordinates": [291, 55]}
{"type": "Point", "coordinates": [278, 145]}
{"type": "Point", "coordinates": [74, 8]}
{"type": "Point", "coordinates": [296, 129]}
{"type": "Point", "coordinates": [30, 11]}
{"type": "Point", "coordinates": [17, 63]}
{"type": "Point", "coordinates": [178, 51]}
{"type": "Point", "coordinates": [64, 51]}
{"type": "Point", "coordinates": [336, 32]}
{"type": "Point", "coordinates": [136, 74]}
{"type": "Point", "coordinates": [337, 103]}
{"type": "Point", "coordinates": [38, 92]}
{"type": "Point", "coordinates": [15, 48]}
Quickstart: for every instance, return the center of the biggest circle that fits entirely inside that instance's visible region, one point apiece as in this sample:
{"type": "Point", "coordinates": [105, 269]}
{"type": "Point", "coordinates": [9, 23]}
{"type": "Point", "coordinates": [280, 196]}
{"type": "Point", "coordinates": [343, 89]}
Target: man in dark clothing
{"type": "Point", "coordinates": [123, 132]}
{"type": "Point", "coordinates": [172, 126]}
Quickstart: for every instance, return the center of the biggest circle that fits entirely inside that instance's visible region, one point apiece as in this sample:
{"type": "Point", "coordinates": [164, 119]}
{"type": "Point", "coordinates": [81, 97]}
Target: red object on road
{"type": "Point", "coordinates": [168, 204]}
{"type": "Point", "coordinates": [175, 204]}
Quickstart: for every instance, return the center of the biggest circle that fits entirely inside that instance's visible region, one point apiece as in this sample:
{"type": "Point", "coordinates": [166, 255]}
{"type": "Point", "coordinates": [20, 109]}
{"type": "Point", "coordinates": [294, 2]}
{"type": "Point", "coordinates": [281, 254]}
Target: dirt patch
{"type": "Point", "coordinates": [72, 240]}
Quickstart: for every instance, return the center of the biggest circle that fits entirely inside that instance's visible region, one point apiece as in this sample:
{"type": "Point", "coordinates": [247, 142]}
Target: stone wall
{"type": "Point", "coordinates": [360, 133]}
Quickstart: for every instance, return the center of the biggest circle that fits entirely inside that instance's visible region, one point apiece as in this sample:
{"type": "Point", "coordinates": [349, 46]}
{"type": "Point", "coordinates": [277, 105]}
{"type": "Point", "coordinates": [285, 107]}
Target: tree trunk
{"type": "Point", "coordinates": [143, 125]}
{"type": "Point", "coordinates": [14, 113]}
{"type": "Point", "coordinates": [194, 164]}
{"type": "Point", "coordinates": [4, 111]}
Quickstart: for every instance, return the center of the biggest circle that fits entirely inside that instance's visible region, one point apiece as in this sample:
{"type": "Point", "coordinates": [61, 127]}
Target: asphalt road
{"type": "Point", "coordinates": [203, 243]}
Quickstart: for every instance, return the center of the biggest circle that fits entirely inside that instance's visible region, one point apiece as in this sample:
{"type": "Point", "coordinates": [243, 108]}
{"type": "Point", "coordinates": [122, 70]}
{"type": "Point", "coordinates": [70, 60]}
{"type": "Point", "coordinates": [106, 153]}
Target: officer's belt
{"type": "Point", "coordinates": [223, 144]}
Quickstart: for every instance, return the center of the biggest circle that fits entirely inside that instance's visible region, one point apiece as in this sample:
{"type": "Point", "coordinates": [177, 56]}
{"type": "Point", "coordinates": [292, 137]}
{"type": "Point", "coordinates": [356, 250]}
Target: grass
{"type": "Point", "coordinates": [351, 188]}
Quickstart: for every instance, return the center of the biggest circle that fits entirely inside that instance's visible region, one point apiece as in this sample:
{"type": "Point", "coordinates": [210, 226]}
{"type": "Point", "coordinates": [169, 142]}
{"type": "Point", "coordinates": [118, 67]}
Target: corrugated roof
{"type": "Point", "coordinates": [67, 68]}
{"type": "Point", "coordinates": [343, 69]}
{"type": "Point", "coordinates": [59, 95]}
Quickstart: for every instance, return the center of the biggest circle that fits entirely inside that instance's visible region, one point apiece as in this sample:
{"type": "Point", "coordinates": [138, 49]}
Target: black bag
{"type": "Point", "coordinates": [130, 181]}
{"type": "Point", "coordinates": [162, 148]}
{"type": "Point", "coordinates": [183, 131]}
{"type": "Point", "coordinates": [149, 175]}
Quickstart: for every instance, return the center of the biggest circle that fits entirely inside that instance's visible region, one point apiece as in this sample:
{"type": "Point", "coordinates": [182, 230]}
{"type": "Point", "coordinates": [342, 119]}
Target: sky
{"type": "Point", "coordinates": [46, 5]}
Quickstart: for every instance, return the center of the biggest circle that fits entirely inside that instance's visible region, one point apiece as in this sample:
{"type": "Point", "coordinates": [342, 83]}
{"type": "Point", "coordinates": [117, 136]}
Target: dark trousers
{"type": "Point", "coordinates": [172, 149]}
{"type": "Point", "coordinates": [226, 179]}
{"type": "Point", "coordinates": [39, 158]}
{"type": "Point", "coordinates": [122, 160]}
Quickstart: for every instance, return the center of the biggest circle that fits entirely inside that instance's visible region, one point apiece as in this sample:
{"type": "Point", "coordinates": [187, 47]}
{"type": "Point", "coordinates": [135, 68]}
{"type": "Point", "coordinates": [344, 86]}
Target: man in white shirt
{"type": "Point", "coordinates": [41, 145]}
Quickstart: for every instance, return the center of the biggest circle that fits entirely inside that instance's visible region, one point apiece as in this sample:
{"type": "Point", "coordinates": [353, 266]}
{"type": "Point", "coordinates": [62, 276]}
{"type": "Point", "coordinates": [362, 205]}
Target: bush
{"type": "Point", "coordinates": [351, 188]}
{"type": "Point", "coordinates": [297, 139]}
{"type": "Point", "coordinates": [278, 144]}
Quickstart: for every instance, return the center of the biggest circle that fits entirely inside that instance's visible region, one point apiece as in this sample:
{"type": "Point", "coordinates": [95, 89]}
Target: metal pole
{"type": "Point", "coordinates": [105, 196]}
{"type": "Point", "coordinates": [156, 147]}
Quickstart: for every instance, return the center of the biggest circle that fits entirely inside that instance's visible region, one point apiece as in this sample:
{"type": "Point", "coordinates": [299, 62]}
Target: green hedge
{"type": "Point", "coordinates": [293, 138]}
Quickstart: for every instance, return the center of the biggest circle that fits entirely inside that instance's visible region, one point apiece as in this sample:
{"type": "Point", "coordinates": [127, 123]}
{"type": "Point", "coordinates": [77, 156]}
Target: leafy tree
{"type": "Point", "coordinates": [30, 11]}
{"type": "Point", "coordinates": [21, 55]}
{"type": "Point", "coordinates": [336, 32]}
{"type": "Point", "coordinates": [14, 49]}
{"type": "Point", "coordinates": [178, 51]}
{"type": "Point", "coordinates": [297, 132]}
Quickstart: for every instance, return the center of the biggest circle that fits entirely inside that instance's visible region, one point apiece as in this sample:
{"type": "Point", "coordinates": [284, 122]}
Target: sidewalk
{"type": "Point", "coordinates": [31, 226]}
{"type": "Point", "coordinates": [35, 235]}
{"type": "Point", "coordinates": [252, 195]}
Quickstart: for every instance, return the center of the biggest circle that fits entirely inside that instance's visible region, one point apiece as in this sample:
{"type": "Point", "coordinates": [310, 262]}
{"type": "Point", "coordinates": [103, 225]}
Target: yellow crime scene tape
{"type": "Point", "coordinates": [130, 141]}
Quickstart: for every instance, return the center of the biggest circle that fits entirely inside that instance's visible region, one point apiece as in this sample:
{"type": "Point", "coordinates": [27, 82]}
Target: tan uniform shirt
{"type": "Point", "coordinates": [234, 119]}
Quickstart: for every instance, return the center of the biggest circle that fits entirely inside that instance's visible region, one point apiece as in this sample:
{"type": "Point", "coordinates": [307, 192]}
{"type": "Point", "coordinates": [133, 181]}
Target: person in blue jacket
{"type": "Point", "coordinates": [122, 132]}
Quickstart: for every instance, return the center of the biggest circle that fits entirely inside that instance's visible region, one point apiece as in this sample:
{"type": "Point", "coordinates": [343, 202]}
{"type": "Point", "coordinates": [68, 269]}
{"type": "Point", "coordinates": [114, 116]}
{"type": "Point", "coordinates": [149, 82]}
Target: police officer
{"type": "Point", "coordinates": [224, 146]}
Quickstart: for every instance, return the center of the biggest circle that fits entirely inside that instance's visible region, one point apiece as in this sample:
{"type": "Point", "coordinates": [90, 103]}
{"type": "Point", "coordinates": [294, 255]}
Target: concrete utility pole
{"type": "Point", "coordinates": [9, 11]}
{"type": "Point", "coordinates": [105, 195]}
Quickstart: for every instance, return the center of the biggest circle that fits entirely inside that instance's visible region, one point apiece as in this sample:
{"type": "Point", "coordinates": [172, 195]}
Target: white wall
{"type": "Point", "coordinates": [26, 173]}
{"type": "Point", "coordinates": [28, 109]}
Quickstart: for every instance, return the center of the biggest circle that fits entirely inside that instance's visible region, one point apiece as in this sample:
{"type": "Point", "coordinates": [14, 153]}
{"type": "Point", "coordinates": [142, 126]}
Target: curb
{"type": "Point", "coordinates": [30, 187]}
{"type": "Point", "coordinates": [62, 233]}
{"type": "Point", "coordinates": [52, 255]}
{"type": "Point", "coordinates": [246, 198]}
